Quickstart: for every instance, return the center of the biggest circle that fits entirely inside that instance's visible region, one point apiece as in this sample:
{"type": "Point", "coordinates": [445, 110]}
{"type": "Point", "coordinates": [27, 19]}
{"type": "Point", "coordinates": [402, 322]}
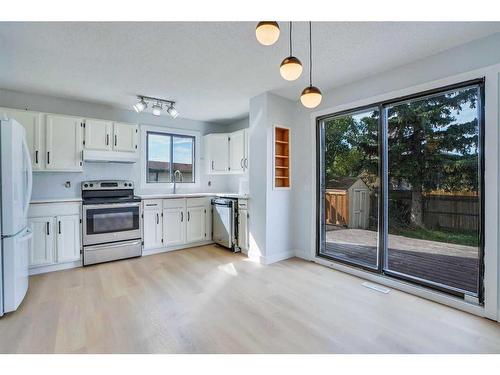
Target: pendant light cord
{"type": "Point", "coordinates": [310, 54]}
{"type": "Point", "coordinates": [291, 38]}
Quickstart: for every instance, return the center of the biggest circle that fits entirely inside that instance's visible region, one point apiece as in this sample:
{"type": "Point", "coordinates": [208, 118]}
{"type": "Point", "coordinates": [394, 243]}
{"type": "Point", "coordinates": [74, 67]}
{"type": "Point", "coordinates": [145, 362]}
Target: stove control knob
{"type": "Point", "coordinates": [86, 185]}
{"type": "Point", "coordinates": [91, 185]}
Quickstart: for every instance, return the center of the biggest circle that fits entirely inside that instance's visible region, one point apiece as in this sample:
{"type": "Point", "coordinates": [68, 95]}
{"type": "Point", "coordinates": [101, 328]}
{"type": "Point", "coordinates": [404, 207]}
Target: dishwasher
{"type": "Point", "coordinates": [225, 222]}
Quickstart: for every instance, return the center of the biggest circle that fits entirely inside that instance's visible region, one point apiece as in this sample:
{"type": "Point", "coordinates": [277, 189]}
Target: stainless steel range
{"type": "Point", "coordinates": [112, 224]}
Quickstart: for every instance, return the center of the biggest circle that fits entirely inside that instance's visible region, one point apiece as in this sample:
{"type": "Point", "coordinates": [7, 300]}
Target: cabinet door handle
{"type": "Point", "coordinates": [157, 219]}
{"type": "Point", "coordinates": [189, 216]}
{"type": "Point", "coordinates": [48, 157]}
{"type": "Point", "coordinates": [212, 165]}
{"type": "Point", "coordinates": [48, 229]}
{"type": "Point", "coordinates": [116, 140]}
{"type": "Point", "coordinates": [182, 216]}
{"type": "Point", "coordinates": [107, 139]}
{"type": "Point", "coordinates": [242, 163]}
{"type": "Point", "coordinates": [59, 224]}
{"type": "Point", "coordinates": [36, 157]}
{"type": "Point", "coordinates": [246, 163]}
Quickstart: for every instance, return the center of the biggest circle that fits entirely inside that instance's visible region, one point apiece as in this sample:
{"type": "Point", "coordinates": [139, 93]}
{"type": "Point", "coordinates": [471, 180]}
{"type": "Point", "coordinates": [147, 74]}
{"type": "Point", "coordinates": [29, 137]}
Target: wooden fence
{"type": "Point", "coordinates": [337, 208]}
{"type": "Point", "coordinates": [458, 211]}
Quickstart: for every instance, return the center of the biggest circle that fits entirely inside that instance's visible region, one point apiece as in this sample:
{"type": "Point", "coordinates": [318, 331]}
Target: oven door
{"type": "Point", "coordinates": [105, 223]}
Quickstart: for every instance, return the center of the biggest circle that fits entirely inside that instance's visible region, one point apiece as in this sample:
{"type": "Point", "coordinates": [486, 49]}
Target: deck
{"type": "Point", "coordinates": [448, 264]}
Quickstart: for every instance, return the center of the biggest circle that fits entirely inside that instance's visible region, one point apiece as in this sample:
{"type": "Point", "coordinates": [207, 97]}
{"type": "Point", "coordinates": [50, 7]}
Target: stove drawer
{"type": "Point", "coordinates": [112, 251]}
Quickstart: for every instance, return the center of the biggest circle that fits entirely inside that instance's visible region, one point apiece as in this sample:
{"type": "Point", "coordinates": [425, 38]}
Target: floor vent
{"type": "Point", "coordinates": [376, 287]}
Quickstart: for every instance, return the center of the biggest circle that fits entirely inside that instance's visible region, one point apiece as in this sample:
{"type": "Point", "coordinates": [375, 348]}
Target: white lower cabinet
{"type": "Point", "coordinates": [195, 224]}
{"type": "Point", "coordinates": [42, 245]}
{"type": "Point", "coordinates": [174, 226]}
{"type": "Point", "coordinates": [152, 228]}
{"type": "Point", "coordinates": [56, 234]}
{"type": "Point", "coordinates": [68, 238]}
{"type": "Point", "coordinates": [184, 221]}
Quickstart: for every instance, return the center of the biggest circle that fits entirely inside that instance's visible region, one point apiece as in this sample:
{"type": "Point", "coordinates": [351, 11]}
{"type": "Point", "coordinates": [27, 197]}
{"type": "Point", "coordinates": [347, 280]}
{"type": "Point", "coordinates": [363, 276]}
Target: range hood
{"type": "Point", "coordinates": [94, 156]}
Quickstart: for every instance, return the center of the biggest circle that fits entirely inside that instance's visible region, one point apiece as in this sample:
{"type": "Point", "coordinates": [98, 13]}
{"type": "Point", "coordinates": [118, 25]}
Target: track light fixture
{"type": "Point", "coordinates": [157, 106]}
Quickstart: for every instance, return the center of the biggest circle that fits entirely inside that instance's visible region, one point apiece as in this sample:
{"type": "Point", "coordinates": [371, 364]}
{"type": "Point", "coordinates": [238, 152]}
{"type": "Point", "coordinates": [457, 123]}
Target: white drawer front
{"type": "Point", "coordinates": [152, 204]}
{"type": "Point", "coordinates": [174, 203]}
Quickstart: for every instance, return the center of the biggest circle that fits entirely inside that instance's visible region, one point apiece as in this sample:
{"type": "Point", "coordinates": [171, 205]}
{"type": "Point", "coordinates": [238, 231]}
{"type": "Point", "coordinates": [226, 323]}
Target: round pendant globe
{"type": "Point", "coordinates": [267, 32]}
{"type": "Point", "coordinates": [291, 68]}
{"type": "Point", "coordinates": [310, 97]}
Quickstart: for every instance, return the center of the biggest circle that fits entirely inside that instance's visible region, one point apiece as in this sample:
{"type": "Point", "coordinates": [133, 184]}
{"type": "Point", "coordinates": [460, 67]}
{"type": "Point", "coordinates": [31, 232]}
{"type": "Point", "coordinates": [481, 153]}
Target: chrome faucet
{"type": "Point", "coordinates": [177, 173]}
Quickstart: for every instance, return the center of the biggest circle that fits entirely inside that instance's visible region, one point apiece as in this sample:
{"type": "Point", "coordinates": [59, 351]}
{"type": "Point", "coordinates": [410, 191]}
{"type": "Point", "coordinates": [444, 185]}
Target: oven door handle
{"type": "Point", "coordinates": [111, 246]}
{"type": "Point", "coordinates": [111, 205]}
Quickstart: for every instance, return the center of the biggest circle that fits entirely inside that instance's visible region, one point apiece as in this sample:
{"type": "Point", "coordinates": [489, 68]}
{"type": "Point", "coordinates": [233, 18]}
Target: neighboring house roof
{"type": "Point", "coordinates": [341, 183]}
{"type": "Point", "coordinates": [162, 166]}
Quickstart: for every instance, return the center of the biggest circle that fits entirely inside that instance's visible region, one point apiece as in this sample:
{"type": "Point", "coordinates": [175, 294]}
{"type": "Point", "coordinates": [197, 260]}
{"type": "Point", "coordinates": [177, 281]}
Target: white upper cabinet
{"type": "Point", "coordinates": [63, 143]}
{"type": "Point", "coordinates": [31, 121]}
{"type": "Point", "coordinates": [98, 134]}
{"type": "Point", "coordinates": [227, 153]}
{"type": "Point", "coordinates": [217, 147]}
{"type": "Point", "coordinates": [124, 137]}
{"type": "Point", "coordinates": [237, 151]}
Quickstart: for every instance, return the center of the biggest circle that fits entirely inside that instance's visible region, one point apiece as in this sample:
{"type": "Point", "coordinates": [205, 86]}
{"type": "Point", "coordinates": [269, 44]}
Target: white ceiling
{"type": "Point", "coordinates": [211, 69]}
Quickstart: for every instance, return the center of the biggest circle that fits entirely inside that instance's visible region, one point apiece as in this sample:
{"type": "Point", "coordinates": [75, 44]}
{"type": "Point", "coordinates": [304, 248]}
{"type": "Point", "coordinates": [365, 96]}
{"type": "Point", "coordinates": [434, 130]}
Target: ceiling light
{"type": "Point", "coordinates": [157, 109]}
{"type": "Point", "coordinates": [140, 106]}
{"type": "Point", "coordinates": [267, 32]}
{"type": "Point", "coordinates": [311, 95]}
{"type": "Point", "coordinates": [291, 67]}
{"type": "Point", "coordinates": [172, 111]}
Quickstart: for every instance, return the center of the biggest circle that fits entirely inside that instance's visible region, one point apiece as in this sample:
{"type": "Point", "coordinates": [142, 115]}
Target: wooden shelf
{"type": "Point", "coordinates": [281, 158]}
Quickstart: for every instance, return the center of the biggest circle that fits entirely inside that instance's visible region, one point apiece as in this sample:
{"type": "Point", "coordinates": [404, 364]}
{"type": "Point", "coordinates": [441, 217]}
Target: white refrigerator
{"type": "Point", "coordinates": [16, 184]}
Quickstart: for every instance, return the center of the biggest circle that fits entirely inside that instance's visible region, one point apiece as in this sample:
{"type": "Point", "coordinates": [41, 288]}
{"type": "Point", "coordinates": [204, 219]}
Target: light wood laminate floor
{"type": "Point", "coordinates": [208, 300]}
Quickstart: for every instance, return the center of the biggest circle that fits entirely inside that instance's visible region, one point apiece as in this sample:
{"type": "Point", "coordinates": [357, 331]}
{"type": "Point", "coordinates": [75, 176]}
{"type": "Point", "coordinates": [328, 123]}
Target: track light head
{"type": "Point", "coordinates": [172, 111]}
{"type": "Point", "coordinates": [140, 106]}
{"type": "Point", "coordinates": [157, 107]}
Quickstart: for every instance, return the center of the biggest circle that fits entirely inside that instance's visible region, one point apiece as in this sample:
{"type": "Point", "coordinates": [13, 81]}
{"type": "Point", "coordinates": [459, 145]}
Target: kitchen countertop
{"type": "Point", "coordinates": [51, 200]}
{"type": "Point", "coordinates": [192, 195]}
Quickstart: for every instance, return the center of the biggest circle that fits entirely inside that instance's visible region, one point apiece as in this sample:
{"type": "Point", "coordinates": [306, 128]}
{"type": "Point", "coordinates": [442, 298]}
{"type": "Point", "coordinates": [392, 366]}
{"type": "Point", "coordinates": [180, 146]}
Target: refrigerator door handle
{"type": "Point", "coordinates": [27, 236]}
{"type": "Point", "coordinates": [30, 177]}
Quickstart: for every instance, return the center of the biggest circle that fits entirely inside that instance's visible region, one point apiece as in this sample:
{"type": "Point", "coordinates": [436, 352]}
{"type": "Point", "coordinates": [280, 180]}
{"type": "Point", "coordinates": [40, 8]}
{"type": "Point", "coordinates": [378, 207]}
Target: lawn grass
{"type": "Point", "coordinates": [438, 235]}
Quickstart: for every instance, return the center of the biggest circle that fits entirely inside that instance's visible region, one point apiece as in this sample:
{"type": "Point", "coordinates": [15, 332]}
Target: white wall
{"type": "Point", "coordinates": [51, 184]}
{"type": "Point", "coordinates": [465, 62]}
{"type": "Point", "coordinates": [270, 210]}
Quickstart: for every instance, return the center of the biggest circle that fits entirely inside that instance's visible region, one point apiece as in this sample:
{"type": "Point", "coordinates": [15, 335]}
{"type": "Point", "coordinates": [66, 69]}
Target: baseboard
{"type": "Point", "coordinates": [302, 254]}
{"type": "Point", "coordinates": [54, 267]}
{"type": "Point", "coordinates": [173, 248]}
{"type": "Point", "coordinates": [278, 257]}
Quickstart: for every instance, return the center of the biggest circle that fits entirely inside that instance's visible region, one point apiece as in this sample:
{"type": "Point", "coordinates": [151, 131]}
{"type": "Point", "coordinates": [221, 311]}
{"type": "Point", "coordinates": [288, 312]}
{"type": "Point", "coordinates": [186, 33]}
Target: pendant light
{"type": "Point", "coordinates": [291, 67]}
{"type": "Point", "coordinates": [311, 95]}
{"type": "Point", "coordinates": [267, 32]}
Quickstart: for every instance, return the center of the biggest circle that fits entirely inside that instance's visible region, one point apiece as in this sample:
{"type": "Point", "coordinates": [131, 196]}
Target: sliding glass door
{"type": "Point", "coordinates": [351, 187]}
{"type": "Point", "coordinates": [400, 188]}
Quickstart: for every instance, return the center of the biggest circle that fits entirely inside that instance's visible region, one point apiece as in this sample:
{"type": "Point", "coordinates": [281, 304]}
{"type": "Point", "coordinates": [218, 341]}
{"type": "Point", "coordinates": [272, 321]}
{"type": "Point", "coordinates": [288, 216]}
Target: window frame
{"type": "Point", "coordinates": [172, 135]}
{"type": "Point", "coordinates": [383, 189]}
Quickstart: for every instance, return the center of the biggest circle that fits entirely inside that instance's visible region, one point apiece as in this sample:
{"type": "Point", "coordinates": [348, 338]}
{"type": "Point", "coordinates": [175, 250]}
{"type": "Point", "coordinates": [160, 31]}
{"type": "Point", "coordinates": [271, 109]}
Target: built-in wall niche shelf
{"type": "Point", "coordinates": [281, 157]}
